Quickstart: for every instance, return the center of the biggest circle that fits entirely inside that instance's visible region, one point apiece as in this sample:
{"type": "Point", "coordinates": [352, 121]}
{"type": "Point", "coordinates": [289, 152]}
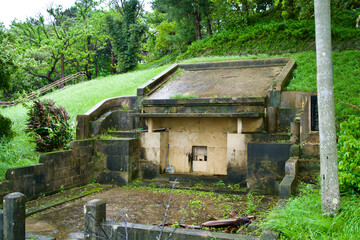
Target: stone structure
{"type": "Point", "coordinates": [237, 124]}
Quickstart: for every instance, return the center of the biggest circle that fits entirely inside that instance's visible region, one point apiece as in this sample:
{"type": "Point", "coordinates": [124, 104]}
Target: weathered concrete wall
{"type": "Point", "coordinates": [84, 126]}
{"type": "Point", "coordinates": [54, 171]}
{"type": "Point", "coordinates": [237, 156]}
{"type": "Point", "coordinates": [213, 133]}
{"type": "Point", "coordinates": [107, 161]}
{"type": "Point", "coordinates": [184, 133]}
{"type": "Point", "coordinates": [266, 166]}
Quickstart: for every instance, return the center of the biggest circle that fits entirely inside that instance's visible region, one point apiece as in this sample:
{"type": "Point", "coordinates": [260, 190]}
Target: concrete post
{"type": "Point", "coordinates": [239, 125]}
{"type": "Point", "coordinates": [1, 224]}
{"type": "Point", "coordinates": [295, 132]}
{"type": "Point", "coordinates": [150, 125]}
{"type": "Point", "coordinates": [95, 215]}
{"type": "Point", "coordinates": [272, 117]}
{"type": "Point", "coordinates": [14, 216]}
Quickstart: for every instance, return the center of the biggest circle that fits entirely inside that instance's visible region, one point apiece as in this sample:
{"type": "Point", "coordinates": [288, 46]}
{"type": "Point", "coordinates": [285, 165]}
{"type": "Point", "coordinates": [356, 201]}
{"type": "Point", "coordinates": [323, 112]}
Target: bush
{"type": "Point", "coordinates": [349, 155]}
{"type": "Point", "coordinates": [49, 125]}
{"type": "Point", "coordinates": [5, 127]}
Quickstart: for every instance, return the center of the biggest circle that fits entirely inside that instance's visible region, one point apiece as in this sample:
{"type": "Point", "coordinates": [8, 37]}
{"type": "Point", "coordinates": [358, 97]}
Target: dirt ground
{"type": "Point", "coordinates": [246, 82]}
{"type": "Point", "coordinates": [147, 206]}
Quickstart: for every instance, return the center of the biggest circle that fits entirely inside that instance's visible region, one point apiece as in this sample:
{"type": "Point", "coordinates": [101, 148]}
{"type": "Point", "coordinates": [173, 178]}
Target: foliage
{"type": "Point", "coordinates": [302, 218]}
{"type": "Point", "coordinates": [126, 34]}
{"type": "Point", "coordinates": [349, 155]}
{"type": "Point", "coordinates": [5, 127]}
{"type": "Point", "coordinates": [49, 125]}
{"type": "Point", "coordinates": [7, 66]}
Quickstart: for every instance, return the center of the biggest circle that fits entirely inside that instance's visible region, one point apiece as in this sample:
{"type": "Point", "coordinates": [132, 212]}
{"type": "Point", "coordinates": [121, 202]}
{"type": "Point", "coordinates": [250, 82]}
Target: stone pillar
{"type": "Point", "coordinates": [95, 215]}
{"type": "Point", "coordinates": [295, 131]}
{"type": "Point", "coordinates": [272, 113]}
{"type": "Point", "coordinates": [14, 216]}
{"type": "Point", "coordinates": [150, 125]}
{"type": "Point", "coordinates": [1, 224]}
{"type": "Point", "coordinates": [239, 125]}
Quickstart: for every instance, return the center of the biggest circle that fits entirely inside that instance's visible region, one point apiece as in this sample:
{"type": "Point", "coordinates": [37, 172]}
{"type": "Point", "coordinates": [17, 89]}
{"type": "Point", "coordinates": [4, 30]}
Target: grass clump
{"type": "Point", "coordinates": [302, 218]}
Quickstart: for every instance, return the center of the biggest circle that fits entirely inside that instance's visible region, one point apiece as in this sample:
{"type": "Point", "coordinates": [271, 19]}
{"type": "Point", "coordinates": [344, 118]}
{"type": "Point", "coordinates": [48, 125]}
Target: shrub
{"type": "Point", "coordinates": [5, 127]}
{"type": "Point", "coordinates": [349, 155]}
{"type": "Point", "coordinates": [49, 125]}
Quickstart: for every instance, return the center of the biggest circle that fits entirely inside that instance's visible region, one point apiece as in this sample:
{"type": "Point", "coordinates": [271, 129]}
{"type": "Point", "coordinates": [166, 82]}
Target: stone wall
{"type": "Point", "coordinates": [106, 161]}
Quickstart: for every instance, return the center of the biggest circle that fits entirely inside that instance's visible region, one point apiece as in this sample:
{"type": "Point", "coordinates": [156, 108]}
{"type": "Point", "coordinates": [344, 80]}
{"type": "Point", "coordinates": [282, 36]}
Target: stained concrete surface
{"type": "Point", "coordinates": [141, 206]}
{"type": "Point", "coordinates": [244, 82]}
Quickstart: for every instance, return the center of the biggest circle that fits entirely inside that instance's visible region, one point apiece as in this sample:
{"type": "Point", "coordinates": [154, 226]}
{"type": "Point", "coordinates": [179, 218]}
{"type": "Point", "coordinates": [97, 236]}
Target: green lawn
{"type": "Point", "coordinates": [76, 99]}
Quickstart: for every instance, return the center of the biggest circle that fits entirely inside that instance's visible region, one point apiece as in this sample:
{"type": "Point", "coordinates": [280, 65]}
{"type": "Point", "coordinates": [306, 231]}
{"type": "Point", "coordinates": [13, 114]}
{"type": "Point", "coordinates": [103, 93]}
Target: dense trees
{"type": "Point", "coordinates": [116, 35]}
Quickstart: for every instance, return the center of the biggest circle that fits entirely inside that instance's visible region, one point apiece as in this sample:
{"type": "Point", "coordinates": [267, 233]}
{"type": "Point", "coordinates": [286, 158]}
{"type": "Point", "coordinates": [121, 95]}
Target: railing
{"type": "Point", "coordinates": [42, 90]}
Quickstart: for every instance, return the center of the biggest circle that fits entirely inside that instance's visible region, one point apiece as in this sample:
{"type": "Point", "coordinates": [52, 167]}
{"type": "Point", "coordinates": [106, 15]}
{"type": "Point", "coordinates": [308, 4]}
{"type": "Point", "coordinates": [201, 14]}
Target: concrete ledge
{"type": "Point", "coordinates": [248, 101]}
{"type": "Point", "coordinates": [157, 81]}
{"type": "Point", "coordinates": [187, 115]}
{"type": "Point", "coordinates": [284, 77]}
{"type": "Point", "coordinates": [288, 183]}
{"type": "Point", "coordinates": [147, 232]}
{"type": "Point", "coordinates": [248, 63]}
{"type": "Point", "coordinates": [291, 166]}
{"type": "Point", "coordinates": [286, 186]}
{"type": "Point", "coordinates": [84, 121]}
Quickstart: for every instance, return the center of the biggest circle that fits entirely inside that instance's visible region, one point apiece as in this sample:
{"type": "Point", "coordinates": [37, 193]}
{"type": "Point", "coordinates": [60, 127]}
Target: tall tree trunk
{"type": "Point", "coordinates": [96, 66]}
{"type": "Point", "coordinates": [330, 195]}
{"type": "Point", "coordinates": [197, 23]}
{"type": "Point", "coordinates": [62, 61]}
{"type": "Point", "coordinates": [209, 29]}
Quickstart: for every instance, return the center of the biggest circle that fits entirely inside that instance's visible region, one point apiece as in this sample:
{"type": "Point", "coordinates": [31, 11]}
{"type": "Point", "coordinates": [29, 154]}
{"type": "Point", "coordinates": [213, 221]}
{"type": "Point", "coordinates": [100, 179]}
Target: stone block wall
{"type": "Point", "coordinates": [106, 161]}
{"type": "Point", "coordinates": [56, 170]}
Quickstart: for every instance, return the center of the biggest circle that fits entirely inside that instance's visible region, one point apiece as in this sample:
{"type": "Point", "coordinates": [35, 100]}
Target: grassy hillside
{"type": "Point", "coordinates": [76, 100]}
{"type": "Point", "coordinates": [275, 37]}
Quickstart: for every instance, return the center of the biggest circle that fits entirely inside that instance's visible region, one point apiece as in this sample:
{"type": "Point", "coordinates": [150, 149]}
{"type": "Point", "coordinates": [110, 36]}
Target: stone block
{"type": "Point", "coordinates": [112, 147]}
{"type": "Point", "coordinates": [286, 186]}
{"type": "Point", "coordinates": [236, 173]}
{"type": "Point", "coordinates": [14, 216]}
{"type": "Point", "coordinates": [266, 166]}
{"type": "Point", "coordinates": [310, 150]}
{"type": "Point", "coordinates": [291, 166]}
{"type": "Point", "coordinates": [113, 177]}
{"type": "Point", "coordinates": [117, 162]}
{"type": "Point", "coordinates": [95, 215]}
{"type": "Point", "coordinates": [149, 170]}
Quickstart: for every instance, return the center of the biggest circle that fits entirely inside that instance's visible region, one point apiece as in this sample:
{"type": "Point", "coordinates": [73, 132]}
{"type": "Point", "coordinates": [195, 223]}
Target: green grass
{"type": "Point", "coordinates": [77, 99]}
{"type": "Point", "coordinates": [346, 79]}
{"type": "Point", "coordinates": [302, 218]}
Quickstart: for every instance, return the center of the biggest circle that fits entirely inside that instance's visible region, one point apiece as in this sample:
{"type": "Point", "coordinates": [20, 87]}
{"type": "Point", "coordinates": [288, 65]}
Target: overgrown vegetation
{"type": "Point", "coordinates": [48, 125]}
{"type": "Point", "coordinates": [302, 218]}
{"type": "Point", "coordinates": [5, 128]}
{"type": "Point", "coordinates": [349, 155]}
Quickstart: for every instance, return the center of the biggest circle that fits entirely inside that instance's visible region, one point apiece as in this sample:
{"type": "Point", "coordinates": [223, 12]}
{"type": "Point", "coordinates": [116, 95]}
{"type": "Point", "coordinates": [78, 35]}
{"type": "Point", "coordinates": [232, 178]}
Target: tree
{"type": "Point", "coordinates": [7, 66]}
{"type": "Point", "coordinates": [330, 195]}
{"type": "Point", "coordinates": [190, 11]}
{"type": "Point", "coordinates": [126, 33]}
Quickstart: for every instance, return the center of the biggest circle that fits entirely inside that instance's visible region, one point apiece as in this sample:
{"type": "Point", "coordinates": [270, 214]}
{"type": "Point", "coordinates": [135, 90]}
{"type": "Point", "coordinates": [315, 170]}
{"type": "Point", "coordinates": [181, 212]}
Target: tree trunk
{"type": "Point", "coordinates": [197, 23]}
{"type": "Point", "coordinates": [330, 195]}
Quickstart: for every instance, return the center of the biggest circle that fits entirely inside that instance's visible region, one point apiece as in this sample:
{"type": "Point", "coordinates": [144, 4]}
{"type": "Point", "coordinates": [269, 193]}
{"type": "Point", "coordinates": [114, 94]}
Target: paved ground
{"type": "Point", "coordinates": [246, 82]}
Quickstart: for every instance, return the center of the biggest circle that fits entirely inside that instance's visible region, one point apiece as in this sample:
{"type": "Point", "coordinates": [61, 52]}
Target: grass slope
{"type": "Point", "coordinates": [76, 99]}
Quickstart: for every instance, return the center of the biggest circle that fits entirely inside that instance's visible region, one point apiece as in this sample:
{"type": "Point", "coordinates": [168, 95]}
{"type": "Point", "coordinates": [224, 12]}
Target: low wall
{"type": "Point", "coordinates": [56, 170]}
{"type": "Point", "coordinates": [83, 128]}
{"type": "Point", "coordinates": [106, 161]}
